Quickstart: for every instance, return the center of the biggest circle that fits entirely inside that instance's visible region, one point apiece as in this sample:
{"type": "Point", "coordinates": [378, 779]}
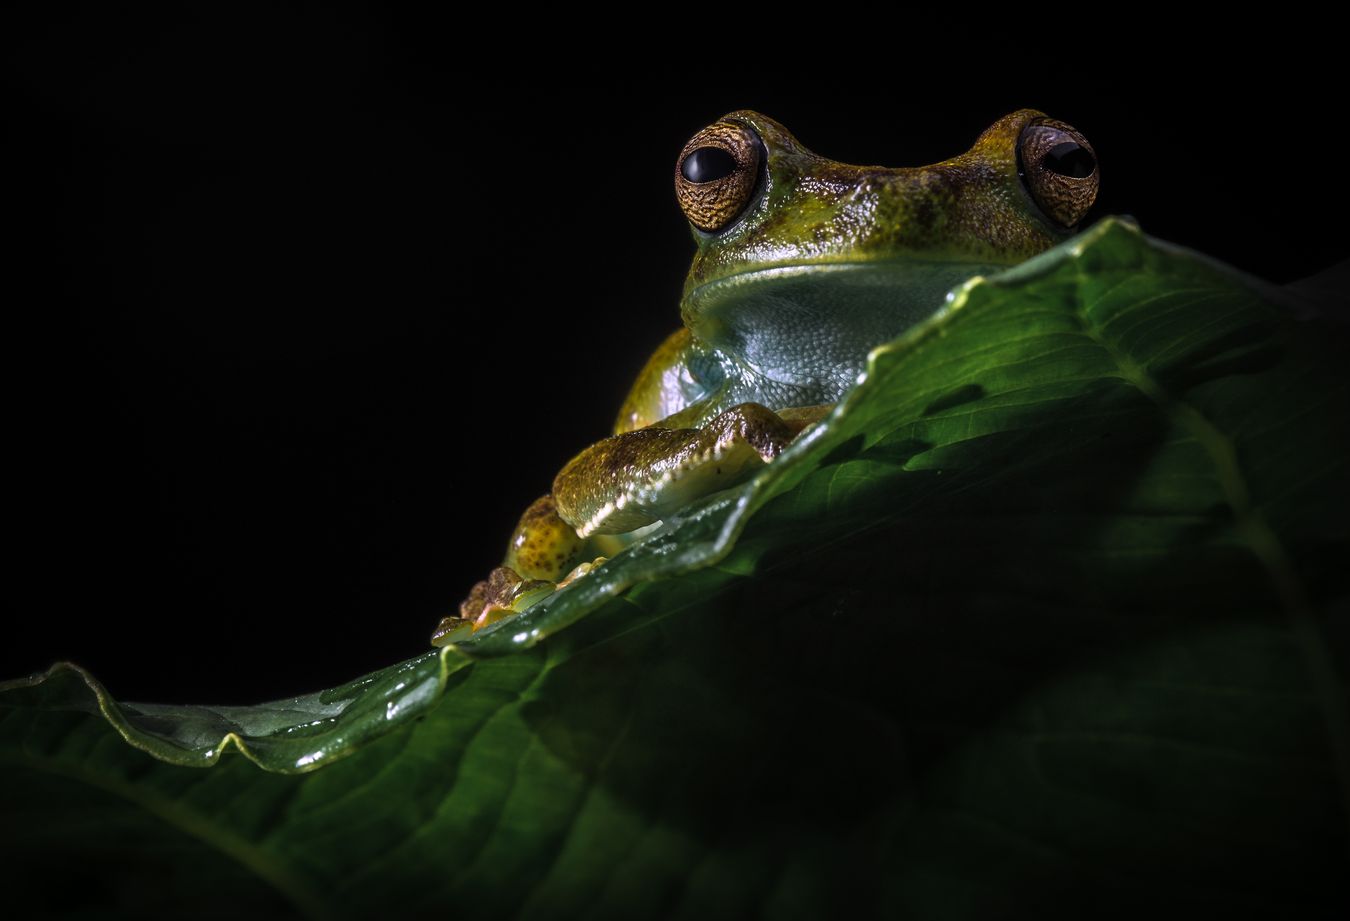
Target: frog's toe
{"type": "Point", "coordinates": [503, 593]}
{"type": "Point", "coordinates": [451, 630]}
{"type": "Point", "coordinates": [582, 569]}
{"type": "Point", "coordinates": [753, 425]}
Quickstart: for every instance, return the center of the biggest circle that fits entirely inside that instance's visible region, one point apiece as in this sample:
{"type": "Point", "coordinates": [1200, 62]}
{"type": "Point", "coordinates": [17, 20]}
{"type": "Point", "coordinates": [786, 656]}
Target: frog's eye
{"type": "Point", "coordinates": [1059, 169]}
{"type": "Point", "coordinates": [716, 174]}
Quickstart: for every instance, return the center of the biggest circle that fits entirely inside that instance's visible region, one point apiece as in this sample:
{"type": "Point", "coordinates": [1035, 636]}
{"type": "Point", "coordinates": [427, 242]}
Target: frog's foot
{"type": "Point", "coordinates": [632, 479]}
{"type": "Point", "coordinates": [543, 550]}
{"type": "Point", "coordinates": [503, 593]}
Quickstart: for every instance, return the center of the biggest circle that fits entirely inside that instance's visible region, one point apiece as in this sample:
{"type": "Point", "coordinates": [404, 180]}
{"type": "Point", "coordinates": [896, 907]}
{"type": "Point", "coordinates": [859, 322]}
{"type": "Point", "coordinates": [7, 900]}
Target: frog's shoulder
{"type": "Point", "coordinates": [678, 375]}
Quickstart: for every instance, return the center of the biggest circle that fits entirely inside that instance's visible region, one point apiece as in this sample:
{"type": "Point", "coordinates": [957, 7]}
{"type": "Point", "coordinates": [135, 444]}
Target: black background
{"type": "Point", "coordinates": [309, 306]}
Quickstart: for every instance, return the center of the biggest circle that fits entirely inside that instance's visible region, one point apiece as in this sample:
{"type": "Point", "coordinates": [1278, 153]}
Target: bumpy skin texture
{"type": "Point", "coordinates": [821, 262]}
{"type": "Point", "coordinates": [971, 208]}
{"type": "Point", "coordinates": [761, 307]}
{"type": "Point", "coordinates": [628, 481]}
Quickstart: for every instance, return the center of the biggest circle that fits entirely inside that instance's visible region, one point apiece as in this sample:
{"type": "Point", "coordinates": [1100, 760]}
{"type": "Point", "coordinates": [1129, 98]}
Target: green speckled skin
{"type": "Point", "coordinates": [824, 262]}
{"type": "Point", "coordinates": [969, 209]}
{"type": "Point", "coordinates": [766, 315]}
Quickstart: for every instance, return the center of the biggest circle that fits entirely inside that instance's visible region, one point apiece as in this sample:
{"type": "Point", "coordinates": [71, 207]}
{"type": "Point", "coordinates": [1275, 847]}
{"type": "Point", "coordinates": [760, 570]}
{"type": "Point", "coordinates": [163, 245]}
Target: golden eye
{"type": "Point", "coordinates": [1059, 169]}
{"type": "Point", "coordinates": [715, 175]}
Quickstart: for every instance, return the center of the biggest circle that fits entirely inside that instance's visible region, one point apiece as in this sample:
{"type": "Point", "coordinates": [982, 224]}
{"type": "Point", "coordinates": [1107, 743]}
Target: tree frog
{"type": "Point", "coordinates": [803, 265]}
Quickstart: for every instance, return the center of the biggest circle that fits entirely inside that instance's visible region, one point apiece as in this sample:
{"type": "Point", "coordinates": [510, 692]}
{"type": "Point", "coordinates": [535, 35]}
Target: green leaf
{"type": "Point", "coordinates": [1050, 615]}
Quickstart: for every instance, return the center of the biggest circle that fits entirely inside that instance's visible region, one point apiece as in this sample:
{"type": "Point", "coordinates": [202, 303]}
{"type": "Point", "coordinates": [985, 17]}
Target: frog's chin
{"type": "Point", "coordinates": [812, 325]}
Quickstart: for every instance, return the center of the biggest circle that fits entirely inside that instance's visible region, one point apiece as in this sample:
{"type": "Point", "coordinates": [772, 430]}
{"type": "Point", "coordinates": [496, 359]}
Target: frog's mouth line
{"type": "Point", "coordinates": [929, 268]}
{"type": "Point", "coordinates": [839, 305]}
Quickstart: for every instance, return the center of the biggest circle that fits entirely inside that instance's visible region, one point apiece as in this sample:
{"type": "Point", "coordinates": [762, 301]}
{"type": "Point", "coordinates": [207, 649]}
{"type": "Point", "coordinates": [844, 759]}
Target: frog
{"type": "Point", "coordinates": [802, 265]}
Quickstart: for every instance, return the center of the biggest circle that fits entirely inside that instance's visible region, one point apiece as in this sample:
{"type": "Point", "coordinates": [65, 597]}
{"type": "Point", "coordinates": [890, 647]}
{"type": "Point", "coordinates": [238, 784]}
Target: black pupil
{"type": "Point", "coordinates": [707, 164]}
{"type": "Point", "coordinates": [1069, 159]}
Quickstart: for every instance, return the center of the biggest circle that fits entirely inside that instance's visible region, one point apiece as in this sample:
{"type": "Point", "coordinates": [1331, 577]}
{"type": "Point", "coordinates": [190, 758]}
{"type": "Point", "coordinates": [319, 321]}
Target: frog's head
{"type": "Point", "coordinates": [805, 263]}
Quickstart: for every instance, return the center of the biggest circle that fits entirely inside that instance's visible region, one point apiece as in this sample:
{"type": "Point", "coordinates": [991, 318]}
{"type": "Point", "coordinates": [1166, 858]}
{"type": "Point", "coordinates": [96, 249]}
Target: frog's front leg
{"type": "Point", "coordinates": [618, 485]}
{"type": "Point", "coordinates": [635, 478]}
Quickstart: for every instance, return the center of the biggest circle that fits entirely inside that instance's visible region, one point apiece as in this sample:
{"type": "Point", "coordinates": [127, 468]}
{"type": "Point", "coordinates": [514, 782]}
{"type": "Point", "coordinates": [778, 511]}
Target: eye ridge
{"type": "Point", "coordinates": [708, 164]}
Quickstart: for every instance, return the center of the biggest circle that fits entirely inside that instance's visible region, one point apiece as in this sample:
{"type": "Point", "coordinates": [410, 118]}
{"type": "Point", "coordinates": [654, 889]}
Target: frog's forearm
{"type": "Point", "coordinates": [634, 478]}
